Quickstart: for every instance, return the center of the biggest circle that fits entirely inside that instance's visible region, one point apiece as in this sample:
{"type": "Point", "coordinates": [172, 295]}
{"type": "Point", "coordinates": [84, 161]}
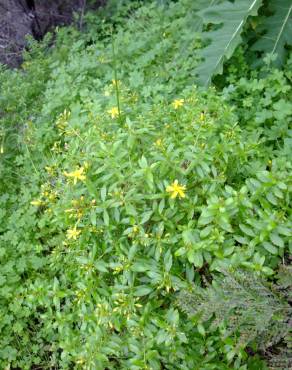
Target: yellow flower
{"type": "Point", "coordinates": [114, 112]}
{"type": "Point", "coordinates": [178, 103]}
{"type": "Point", "coordinates": [73, 233]}
{"type": "Point", "coordinates": [135, 229]}
{"type": "Point", "coordinates": [36, 203]}
{"type": "Point", "coordinates": [202, 116]}
{"type": "Point", "coordinates": [176, 190]}
{"type": "Point", "coordinates": [158, 142]}
{"type": "Point", "coordinates": [115, 82]}
{"type": "Point", "coordinates": [76, 175]}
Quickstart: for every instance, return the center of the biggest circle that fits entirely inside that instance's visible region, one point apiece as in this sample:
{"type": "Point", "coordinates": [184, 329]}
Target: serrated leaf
{"type": "Point", "coordinates": [278, 31]}
{"type": "Point", "coordinates": [223, 41]}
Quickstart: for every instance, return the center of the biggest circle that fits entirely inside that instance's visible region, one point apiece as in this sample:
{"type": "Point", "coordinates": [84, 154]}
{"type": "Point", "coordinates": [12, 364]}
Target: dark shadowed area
{"type": "Point", "coordinates": [19, 18]}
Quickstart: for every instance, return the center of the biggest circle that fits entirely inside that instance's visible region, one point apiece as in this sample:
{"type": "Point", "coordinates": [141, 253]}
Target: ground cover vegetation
{"type": "Point", "coordinates": [146, 220]}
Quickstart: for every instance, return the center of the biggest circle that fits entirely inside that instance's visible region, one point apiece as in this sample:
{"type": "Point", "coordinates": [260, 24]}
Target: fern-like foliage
{"type": "Point", "coordinates": [222, 41]}
{"type": "Point", "coordinates": [249, 311]}
{"type": "Point", "coordinates": [276, 30]}
{"type": "Point", "coordinates": [280, 356]}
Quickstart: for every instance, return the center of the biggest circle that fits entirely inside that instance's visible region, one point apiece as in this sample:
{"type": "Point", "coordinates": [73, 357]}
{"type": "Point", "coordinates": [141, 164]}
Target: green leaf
{"type": "Point", "coordinates": [161, 206]}
{"type": "Point", "coordinates": [246, 230]}
{"type": "Point", "coordinates": [139, 267]}
{"type": "Point", "coordinates": [270, 248]}
{"type": "Point", "coordinates": [284, 230]}
{"type": "Point", "coordinates": [103, 193]}
{"type": "Point", "coordinates": [198, 259]}
{"type": "Point", "coordinates": [167, 260]}
{"type": "Point", "coordinates": [189, 237]}
{"type": "Point", "coordinates": [223, 41]}
{"type": "Point", "coordinates": [146, 217]}
{"type": "Point", "coordinates": [105, 218]}
{"type": "Point", "coordinates": [224, 224]}
{"type": "Point", "coordinates": [101, 266]}
{"type": "Point", "coordinates": [206, 231]}
{"type": "Point", "coordinates": [142, 290]}
{"type": "Point", "coordinates": [181, 251]}
{"type": "Point", "coordinates": [277, 240]}
{"type": "Point", "coordinates": [201, 329]}
{"type": "Point", "coordinates": [93, 217]}
{"type": "Point", "coordinates": [143, 162]}
{"type": "Point", "coordinates": [278, 31]}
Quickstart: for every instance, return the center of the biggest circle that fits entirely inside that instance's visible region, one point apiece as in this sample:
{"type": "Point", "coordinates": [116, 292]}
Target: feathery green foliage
{"type": "Point", "coordinates": [242, 307]}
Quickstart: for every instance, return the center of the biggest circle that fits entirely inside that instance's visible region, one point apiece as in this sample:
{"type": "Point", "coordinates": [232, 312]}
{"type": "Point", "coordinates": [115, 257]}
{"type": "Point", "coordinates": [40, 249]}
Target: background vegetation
{"type": "Point", "coordinates": [146, 220]}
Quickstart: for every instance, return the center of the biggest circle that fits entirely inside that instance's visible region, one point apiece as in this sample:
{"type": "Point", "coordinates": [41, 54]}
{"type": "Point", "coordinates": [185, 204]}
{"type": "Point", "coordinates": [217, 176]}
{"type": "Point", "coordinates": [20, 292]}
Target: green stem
{"type": "Point", "coordinates": [116, 77]}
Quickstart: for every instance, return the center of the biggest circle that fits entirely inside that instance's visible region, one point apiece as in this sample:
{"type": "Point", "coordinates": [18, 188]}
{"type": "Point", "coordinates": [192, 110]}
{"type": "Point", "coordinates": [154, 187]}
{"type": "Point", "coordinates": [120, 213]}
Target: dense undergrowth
{"type": "Point", "coordinates": [123, 185]}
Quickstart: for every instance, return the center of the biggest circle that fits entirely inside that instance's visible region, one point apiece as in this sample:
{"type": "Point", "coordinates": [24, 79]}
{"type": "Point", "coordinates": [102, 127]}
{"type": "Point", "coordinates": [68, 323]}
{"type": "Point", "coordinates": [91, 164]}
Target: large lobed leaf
{"type": "Point", "coordinates": [277, 30]}
{"type": "Point", "coordinates": [222, 41]}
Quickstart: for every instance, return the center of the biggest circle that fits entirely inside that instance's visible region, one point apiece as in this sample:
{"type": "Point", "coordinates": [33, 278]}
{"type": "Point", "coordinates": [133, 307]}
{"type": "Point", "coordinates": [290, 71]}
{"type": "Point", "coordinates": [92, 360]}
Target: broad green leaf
{"type": "Point", "coordinates": [277, 30]}
{"type": "Point", "coordinates": [231, 17]}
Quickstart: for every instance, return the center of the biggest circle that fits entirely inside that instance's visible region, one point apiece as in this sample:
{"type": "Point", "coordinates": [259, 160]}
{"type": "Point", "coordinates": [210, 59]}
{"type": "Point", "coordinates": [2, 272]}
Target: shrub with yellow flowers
{"type": "Point", "coordinates": [139, 215]}
{"type": "Point", "coordinates": [124, 185]}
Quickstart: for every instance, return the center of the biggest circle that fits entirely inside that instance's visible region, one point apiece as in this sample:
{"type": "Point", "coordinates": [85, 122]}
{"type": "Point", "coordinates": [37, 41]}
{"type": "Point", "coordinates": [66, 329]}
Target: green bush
{"type": "Point", "coordinates": [125, 184]}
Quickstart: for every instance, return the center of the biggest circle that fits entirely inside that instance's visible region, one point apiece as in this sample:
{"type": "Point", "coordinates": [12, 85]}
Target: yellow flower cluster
{"type": "Point", "coordinates": [51, 170]}
{"type": "Point", "coordinates": [48, 195]}
{"type": "Point", "coordinates": [78, 208]}
{"type": "Point", "coordinates": [62, 120]}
